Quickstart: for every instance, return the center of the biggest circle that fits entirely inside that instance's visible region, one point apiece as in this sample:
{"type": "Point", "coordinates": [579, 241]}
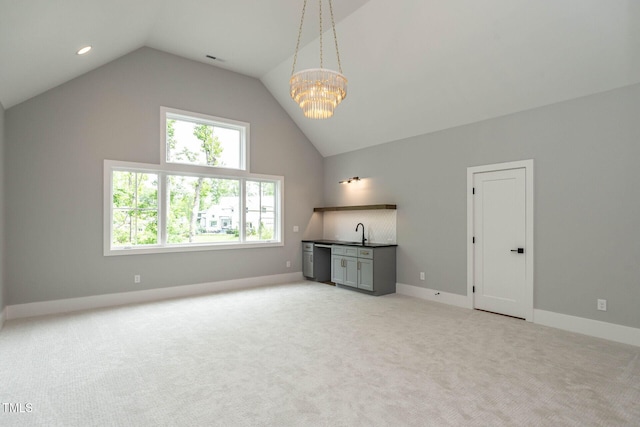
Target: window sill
{"type": "Point", "coordinates": [188, 248]}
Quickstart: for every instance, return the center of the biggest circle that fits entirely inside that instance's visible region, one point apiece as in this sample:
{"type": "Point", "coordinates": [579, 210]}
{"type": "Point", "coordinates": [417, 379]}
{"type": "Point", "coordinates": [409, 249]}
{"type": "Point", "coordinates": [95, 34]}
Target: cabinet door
{"type": "Point", "coordinates": [365, 274]}
{"type": "Point", "coordinates": [337, 269]}
{"type": "Point", "coordinates": [307, 264]}
{"type": "Point", "coordinates": [351, 272]}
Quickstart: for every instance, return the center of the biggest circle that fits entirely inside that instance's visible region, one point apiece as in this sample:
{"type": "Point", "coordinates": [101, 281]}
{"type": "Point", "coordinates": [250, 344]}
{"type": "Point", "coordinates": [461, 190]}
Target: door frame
{"type": "Point", "coordinates": [528, 167]}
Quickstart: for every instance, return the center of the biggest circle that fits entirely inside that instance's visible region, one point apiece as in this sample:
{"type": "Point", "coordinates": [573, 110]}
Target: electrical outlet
{"type": "Point", "coordinates": [422, 275]}
{"type": "Point", "coordinates": [602, 304]}
{"type": "Point", "coordinates": [296, 228]}
{"type": "Point", "coordinates": [136, 278]}
{"type": "Point", "coordinates": [288, 264]}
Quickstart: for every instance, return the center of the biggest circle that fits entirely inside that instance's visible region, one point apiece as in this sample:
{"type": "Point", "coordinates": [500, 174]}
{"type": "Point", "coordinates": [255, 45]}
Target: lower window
{"type": "Point", "coordinates": [151, 209]}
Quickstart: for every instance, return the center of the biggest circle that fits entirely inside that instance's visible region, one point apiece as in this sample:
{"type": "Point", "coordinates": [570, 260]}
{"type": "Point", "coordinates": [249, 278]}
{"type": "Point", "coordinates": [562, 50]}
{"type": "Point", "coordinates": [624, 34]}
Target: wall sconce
{"type": "Point", "coordinates": [349, 180]}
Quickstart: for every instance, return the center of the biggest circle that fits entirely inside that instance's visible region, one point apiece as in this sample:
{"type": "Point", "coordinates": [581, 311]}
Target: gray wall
{"type": "Point", "coordinates": [2, 245]}
{"type": "Point", "coordinates": [55, 147]}
{"type": "Point", "coordinates": [587, 199]}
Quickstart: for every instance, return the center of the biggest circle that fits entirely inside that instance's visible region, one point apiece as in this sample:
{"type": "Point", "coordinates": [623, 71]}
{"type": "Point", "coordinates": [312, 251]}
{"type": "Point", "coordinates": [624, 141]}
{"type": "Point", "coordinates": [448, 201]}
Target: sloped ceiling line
{"type": "Point", "coordinates": [414, 67]}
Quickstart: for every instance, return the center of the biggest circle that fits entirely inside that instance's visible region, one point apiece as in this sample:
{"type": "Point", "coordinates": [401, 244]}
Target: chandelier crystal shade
{"type": "Point", "coordinates": [318, 91]}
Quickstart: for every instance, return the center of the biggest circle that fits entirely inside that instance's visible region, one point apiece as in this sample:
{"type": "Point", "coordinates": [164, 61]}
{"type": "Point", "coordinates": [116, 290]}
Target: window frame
{"type": "Point", "coordinates": [163, 200]}
{"type": "Point", "coordinates": [189, 116]}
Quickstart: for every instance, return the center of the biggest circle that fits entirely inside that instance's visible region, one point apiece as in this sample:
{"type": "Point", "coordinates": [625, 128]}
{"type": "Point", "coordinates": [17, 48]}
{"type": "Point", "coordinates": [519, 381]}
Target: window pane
{"type": "Point", "coordinates": [146, 222]}
{"type": "Point", "coordinates": [124, 189]}
{"type": "Point", "coordinates": [135, 209]}
{"type": "Point", "coordinates": [261, 202]}
{"type": "Point", "coordinates": [203, 210]}
{"type": "Point", "coordinates": [203, 143]}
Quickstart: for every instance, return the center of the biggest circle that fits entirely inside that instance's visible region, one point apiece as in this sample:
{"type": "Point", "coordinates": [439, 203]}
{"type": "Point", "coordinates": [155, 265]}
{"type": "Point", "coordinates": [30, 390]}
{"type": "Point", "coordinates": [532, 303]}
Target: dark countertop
{"type": "Point", "coordinates": [340, 242]}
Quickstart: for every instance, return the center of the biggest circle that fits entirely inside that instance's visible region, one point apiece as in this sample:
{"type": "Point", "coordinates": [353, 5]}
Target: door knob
{"type": "Point", "coordinates": [519, 250]}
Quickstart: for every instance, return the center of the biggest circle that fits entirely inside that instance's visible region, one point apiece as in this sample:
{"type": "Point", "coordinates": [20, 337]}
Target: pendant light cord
{"type": "Point", "coordinates": [335, 36]}
{"type": "Point", "coordinates": [320, 12]}
{"type": "Point", "coordinates": [295, 56]}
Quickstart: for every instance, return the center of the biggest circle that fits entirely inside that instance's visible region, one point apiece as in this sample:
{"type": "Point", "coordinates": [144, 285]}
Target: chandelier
{"type": "Point", "coordinates": [318, 91]}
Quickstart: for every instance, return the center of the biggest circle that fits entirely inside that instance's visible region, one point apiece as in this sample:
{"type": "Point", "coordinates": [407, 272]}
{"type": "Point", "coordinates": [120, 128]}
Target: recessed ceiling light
{"type": "Point", "coordinates": [84, 50]}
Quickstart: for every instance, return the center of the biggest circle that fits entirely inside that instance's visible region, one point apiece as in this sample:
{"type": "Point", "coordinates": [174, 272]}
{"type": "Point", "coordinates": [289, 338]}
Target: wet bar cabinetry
{"type": "Point", "coordinates": [367, 269]}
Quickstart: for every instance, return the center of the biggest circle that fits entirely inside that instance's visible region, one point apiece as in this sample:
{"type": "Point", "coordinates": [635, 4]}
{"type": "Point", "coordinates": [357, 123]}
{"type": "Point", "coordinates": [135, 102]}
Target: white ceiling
{"type": "Point", "coordinates": [414, 66]}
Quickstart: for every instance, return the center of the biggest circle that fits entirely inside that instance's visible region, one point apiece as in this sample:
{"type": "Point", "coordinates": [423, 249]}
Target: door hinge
{"type": "Point", "coordinates": [474, 240]}
{"type": "Point", "coordinates": [474, 289]}
{"type": "Point", "coordinates": [473, 191]}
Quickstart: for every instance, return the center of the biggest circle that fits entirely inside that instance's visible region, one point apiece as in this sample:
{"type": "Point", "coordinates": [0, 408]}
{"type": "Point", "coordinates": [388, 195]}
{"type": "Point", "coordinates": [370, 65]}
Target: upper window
{"type": "Point", "coordinates": [201, 140]}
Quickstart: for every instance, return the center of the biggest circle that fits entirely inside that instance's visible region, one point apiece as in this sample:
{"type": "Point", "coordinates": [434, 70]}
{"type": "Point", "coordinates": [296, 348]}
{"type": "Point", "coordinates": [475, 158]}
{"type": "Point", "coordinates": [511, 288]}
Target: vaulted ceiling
{"type": "Point", "coordinates": [414, 66]}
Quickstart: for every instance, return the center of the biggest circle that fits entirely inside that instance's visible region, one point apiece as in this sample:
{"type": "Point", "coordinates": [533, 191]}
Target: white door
{"type": "Point", "coordinates": [500, 246]}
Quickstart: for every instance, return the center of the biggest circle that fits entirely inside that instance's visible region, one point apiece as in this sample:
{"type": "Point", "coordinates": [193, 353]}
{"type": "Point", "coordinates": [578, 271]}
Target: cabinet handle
{"type": "Point", "coordinates": [311, 258]}
{"type": "Point", "coordinates": [358, 265]}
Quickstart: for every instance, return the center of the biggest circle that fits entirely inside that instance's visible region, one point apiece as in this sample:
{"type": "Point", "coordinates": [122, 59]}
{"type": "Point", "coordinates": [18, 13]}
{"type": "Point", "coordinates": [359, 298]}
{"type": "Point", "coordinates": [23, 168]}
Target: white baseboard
{"type": "Point", "coordinates": [85, 303]}
{"type": "Point", "coordinates": [580, 325]}
{"type": "Point", "coordinates": [594, 328]}
{"type": "Point", "coordinates": [432, 295]}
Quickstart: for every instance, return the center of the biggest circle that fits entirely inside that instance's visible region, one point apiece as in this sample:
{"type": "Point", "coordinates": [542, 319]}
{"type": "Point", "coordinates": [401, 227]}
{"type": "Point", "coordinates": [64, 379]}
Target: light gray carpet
{"type": "Point", "coordinates": [310, 354]}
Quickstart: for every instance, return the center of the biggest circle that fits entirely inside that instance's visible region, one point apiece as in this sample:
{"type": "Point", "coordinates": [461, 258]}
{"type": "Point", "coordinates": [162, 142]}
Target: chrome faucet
{"type": "Point", "coordinates": [363, 239]}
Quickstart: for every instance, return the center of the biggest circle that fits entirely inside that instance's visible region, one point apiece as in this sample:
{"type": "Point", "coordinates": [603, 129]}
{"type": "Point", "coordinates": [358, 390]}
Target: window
{"type": "Point", "coordinates": [195, 203]}
{"type": "Point", "coordinates": [150, 209]}
{"type": "Point", "coordinates": [198, 198]}
{"type": "Point", "coordinates": [135, 208]}
{"type": "Point", "coordinates": [261, 202]}
{"type": "Point", "coordinates": [201, 140]}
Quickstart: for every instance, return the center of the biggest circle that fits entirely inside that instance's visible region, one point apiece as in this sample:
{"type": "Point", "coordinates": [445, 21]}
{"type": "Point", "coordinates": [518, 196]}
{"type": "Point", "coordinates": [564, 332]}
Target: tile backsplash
{"type": "Point", "coordinates": [379, 225]}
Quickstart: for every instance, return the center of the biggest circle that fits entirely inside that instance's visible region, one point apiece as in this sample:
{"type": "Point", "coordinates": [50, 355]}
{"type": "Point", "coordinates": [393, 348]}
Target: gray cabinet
{"type": "Point", "coordinates": [307, 260]}
{"type": "Point", "coordinates": [307, 264]}
{"type": "Point", "coordinates": [369, 270]}
{"type": "Point", "coordinates": [365, 274]}
{"type": "Point", "coordinates": [315, 261]}
{"type": "Point", "coordinates": [338, 269]}
{"type": "Point", "coordinates": [344, 265]}
{"type": "Point", "coordinates": [344, 270]}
